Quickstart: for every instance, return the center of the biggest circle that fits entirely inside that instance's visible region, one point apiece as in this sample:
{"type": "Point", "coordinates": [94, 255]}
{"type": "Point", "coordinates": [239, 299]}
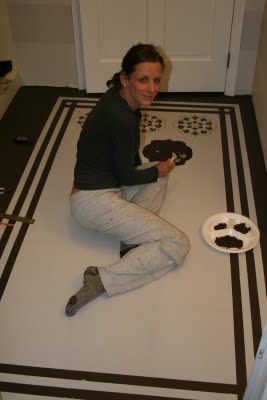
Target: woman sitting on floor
{"type": "Point", "coordinates": [114, 194]}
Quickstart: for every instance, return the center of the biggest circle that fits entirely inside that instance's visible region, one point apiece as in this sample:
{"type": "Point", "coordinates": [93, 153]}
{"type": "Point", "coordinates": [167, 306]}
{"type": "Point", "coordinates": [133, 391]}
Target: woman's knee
{"type": "Point", "coordinates": [182, 240]}
{"type": "Point", "coordinates": [186, 243]}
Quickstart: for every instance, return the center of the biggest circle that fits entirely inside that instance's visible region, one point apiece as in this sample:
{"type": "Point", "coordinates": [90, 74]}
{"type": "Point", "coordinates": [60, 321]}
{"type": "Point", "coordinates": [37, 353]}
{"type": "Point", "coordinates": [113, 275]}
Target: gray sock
{"type": "Point", "coordinates": [89, 274]}
{"type": "Point", "coordinates": [92, 288]}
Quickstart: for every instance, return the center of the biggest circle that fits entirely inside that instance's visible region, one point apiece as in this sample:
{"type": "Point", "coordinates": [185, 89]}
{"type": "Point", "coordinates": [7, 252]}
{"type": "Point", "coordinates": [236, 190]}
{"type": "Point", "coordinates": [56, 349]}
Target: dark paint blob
{"type": "Point", "coordinates": [229, 241]}
{"type": "Point", "coordinates": [161, 150]}
{"type": "Point", "coordinates": [242, 228]}
{"type": "Point", "coordinates": [222, 225]}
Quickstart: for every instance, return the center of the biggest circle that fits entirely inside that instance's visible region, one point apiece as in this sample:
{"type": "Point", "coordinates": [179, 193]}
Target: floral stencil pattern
{"type": "Point", "coordinates": [195, 125]}
{"type": "Point", "coordinates": [151, 123]}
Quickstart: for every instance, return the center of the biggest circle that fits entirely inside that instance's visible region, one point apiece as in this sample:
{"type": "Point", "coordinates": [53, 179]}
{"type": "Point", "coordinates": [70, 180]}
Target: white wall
{"type": "Point", "coordinates": [7, 49]}
{"type": "Point", "coordinates": [7, 52]}
{"type": "Point", "coordinates": [44, 41]}
{"type": "Point", "coordinates": [249, 46]}
{"type": "Point", "coordinates": [260, 86]}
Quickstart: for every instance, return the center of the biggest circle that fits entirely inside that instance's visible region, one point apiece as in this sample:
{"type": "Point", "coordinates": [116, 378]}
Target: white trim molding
{"type": "Point", "coordinates": [75, 6]}
{"type": "Point", "coordinates": [234, 48]}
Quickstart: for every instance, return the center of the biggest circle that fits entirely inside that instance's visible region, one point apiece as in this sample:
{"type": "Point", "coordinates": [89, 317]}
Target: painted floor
{"type": "Point", "coordinates": [192, 334]}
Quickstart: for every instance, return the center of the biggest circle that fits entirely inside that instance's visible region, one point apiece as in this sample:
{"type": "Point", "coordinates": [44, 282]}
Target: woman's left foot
{"type": "Point", "coordinates": [92, 288]}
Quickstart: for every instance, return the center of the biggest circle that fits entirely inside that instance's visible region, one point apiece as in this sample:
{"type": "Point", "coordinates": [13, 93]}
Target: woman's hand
{"type": "Point", "coordinates": [165, 167]}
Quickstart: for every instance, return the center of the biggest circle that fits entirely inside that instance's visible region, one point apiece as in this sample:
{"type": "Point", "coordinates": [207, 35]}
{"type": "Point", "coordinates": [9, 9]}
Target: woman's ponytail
{"type": "Point", "coordinates": [114, 81]}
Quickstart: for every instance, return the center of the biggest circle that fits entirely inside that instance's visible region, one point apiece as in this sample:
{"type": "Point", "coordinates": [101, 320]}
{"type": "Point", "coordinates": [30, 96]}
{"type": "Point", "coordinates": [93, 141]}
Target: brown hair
{"type": "Point", "coordinates": [136, 54]}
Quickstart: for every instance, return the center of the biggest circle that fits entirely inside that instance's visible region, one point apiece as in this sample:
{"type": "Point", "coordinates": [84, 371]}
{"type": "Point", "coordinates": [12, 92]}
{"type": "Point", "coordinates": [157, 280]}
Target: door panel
{"type": "Point", "coordinates": [107, 29]}
{"type": "Point", "coordinates": [190, 36]}
{"type": "Point", "coordinates": [115, 36]}
{"type": "Point", "coordinates": [196, 41]}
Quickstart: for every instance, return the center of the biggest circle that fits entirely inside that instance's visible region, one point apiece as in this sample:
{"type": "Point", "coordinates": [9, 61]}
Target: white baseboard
{"type": "Point", "coordinates": [35, 82]}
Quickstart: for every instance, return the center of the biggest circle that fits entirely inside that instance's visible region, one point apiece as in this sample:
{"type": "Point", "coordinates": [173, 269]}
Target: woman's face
{"type": "Point", "coordinates": [142, 85]}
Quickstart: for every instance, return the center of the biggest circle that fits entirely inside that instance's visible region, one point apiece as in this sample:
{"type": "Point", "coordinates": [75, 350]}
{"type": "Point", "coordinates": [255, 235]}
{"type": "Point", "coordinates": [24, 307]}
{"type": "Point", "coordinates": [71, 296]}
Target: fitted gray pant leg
{"type": "Point", "coordinates": [162, 245]}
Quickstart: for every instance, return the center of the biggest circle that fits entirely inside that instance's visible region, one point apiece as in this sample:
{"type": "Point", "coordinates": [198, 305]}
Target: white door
{"type": "Point", "coordinates": [193, 35]}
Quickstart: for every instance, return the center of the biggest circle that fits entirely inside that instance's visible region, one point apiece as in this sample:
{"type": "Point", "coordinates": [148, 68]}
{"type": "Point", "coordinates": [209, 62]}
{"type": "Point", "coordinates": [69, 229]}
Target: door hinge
{"type": "Point", "coordinates": [228, 60]}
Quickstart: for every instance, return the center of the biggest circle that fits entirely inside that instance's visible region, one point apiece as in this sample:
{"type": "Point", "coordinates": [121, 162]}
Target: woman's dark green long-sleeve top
{"type": "Point", "coordinates": [108, 147]}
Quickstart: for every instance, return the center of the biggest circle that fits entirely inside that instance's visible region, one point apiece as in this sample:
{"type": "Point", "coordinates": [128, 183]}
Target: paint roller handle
{"type": "Point", "coordinates": [173, 158]}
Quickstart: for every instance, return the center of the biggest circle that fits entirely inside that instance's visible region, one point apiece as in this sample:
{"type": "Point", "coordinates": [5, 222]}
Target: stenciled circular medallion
{"type": "Point", "coordinates": [151, 123]}
{"type": "Point", "coordinates": [195, 125]}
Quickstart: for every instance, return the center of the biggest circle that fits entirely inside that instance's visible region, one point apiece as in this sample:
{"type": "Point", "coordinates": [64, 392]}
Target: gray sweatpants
{"type": "Point", "coordinates": [129, 214]}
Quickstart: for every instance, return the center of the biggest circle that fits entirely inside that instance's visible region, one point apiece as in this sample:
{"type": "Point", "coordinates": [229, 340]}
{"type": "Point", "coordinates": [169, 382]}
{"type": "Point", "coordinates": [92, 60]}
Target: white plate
{"type": "Point", "coordinates": [209, 233]}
